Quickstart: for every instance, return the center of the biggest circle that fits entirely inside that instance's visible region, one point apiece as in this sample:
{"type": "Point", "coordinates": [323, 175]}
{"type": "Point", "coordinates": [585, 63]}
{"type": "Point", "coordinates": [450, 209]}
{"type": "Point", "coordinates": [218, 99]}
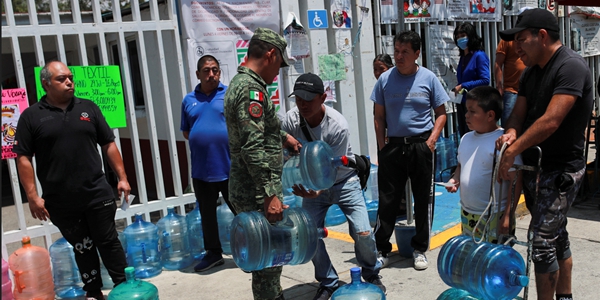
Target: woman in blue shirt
{"type": "Point", "coordinates": [473, 68]}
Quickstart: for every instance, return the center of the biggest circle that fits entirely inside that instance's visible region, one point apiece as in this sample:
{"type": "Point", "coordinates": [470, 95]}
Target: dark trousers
{"type": "Point", "coordinates": [90, 232]}
{"type": "Point", "coordinates": [461, 111]}
{"type": "Point", "coordinates": [397, 163]}
{"type": "Point", "coordinates": [207, 194]}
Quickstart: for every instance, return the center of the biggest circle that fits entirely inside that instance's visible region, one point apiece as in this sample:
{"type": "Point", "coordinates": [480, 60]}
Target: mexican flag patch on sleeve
{"type": "Point", "coordinates": [257, 96]}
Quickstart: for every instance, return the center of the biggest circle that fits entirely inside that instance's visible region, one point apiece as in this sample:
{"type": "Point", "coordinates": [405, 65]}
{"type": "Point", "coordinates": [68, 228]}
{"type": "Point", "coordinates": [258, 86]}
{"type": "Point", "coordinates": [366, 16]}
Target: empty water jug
{"type": "Point", "coordinates": [257, 244]}
{"type": "Point", "coordinates": [290, 201]}
{"type": "Point", "coordinates": [67, 280]}
{"type": "Point", "coordinates": [173, 241]}
{"type": "Point", "coordinates": [32, 272]}
{"type": "Point", "coordinates": [455, 294]}
{"type": "Point", "coordinates": [107, 282]}
{"type": "Point", "coordinates": [334, 216]}
{"type": "Point", "coordinates": [487, 271]}
{"type": "Point", "coordinates": [372, 207]}
{"type": "Point", "coordinates": [224, 218]}
{"type": "Point", "coordinates": [6, 283]}
{"type": "Point", "coordinates": [133, 289]}
{"type": "Point", "coordinates": [142, 248]}
{"type": "Point", "coordinates": [372, 191]}
{"type": "Point", "coordinates": [357, 289]}
{"type": "Point", "coordinates": [195, 233]}
{"type": "Point", "coordinates": [315, 168]}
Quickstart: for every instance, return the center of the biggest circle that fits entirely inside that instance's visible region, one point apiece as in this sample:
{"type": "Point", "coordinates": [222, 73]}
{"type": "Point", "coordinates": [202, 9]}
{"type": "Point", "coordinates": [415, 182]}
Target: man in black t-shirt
{"type": "Point", "coordinates": [552, 111]}
{"type": "Point", "coordinates": [63, 132]}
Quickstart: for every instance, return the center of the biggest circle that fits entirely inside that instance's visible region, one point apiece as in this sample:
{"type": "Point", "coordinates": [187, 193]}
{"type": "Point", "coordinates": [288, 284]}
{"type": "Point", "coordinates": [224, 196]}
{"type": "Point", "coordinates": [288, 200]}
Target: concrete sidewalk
{"type": "Point", "coordinates": [401, 280]}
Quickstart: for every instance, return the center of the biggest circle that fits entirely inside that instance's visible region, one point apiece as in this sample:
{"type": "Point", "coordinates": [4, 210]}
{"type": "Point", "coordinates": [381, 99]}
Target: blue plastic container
{"type": "Point", "coordinates": [133, 289]}
{"type": "Point", "coordinates": [358, 290]}
{"type": "Point", "coordinates": [195, 233]}
{"type": "Point", "coordinates": [404, 234]}
{"type": "Point", "coordinates": [290, 201]}
{"type": "Point", "coordinates": [335, 216]}
{"type": "Point", "coordinates": [173, 241]}
{"type": "Point", "coordinates": [455, 294]}
{"type": "Point", "coordinates": [371, 193]}
{"type": "Point", "coordinates": [142, 248]}
{"type": "Point", "coordinates": [315, 168]}
{"type": "Point", "coordinates": [67, 280]}
{"type": "Point", "coordinates": [107, 282]}
{"type": "Point", "coordinates": [372, 206]}
{"type": "Point", "coordinates": [487, 271]}
{"type": "Point", "coordinates": [224, 218]}
{"type": "Point", "coordinates": [257, 244]}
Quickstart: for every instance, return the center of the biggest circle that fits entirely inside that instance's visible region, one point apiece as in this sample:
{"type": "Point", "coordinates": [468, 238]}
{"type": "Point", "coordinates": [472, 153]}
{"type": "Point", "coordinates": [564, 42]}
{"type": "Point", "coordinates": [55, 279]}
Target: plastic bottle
{"type": "Point", "coordinates": [335, 216]}
{"type": "Point", "coordinates": [142, 248]}
{"type": "Point", "coordinates": [133, 289]}
{"type": "Point", "coordinates": [224, 218]}
{"type": "Point", "coordinates": [67, 280]}
{"type": "Point", "coordinates": [6, 283]}
{"type": "Point", "coordinates": [315, 168]}
{"type": "Point", "coordinates": [455, 294]}
{"type": "Point", "coordinates": [174, 243]}
{"type": "Point", "coordinates": [257, 244]}
{"type": "Point", "coordinates": [195, 233]}
{"type": "Point", "coordinates": [32, 272]}
{"type": "Point", "coordinates": [487, 271]}
{"type": "Point", "coordinates": [357, 289]}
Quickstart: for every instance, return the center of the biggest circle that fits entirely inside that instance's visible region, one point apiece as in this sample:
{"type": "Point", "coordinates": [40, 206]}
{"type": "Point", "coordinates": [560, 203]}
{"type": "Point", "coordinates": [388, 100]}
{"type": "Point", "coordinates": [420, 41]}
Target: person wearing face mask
{"type": "Point", "coordinates": [473, 67]}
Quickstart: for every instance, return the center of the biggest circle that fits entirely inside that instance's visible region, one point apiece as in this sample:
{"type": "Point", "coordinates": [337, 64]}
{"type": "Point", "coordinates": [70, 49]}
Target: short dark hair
{"type": "Point", "coordinates": [488, 98]}
{"type": "Point", "coordinates": [385, 59]}
{"type": "Point", "coordinates": [45, 73]}
{"type": "Point", "coordinates": [554, 35]}
{"type": "Point", "coordinates": [475, 42]}
{"type": "Point", "coordinates": [257, 48]}
{"type": "Point", "coordinates": [204, 59]}
{"type": "Point", "coordinates": [409, 37]}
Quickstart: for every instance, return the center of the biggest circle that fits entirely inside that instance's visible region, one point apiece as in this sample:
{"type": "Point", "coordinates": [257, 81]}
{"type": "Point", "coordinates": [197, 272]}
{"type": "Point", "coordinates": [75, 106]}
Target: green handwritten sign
{"type": "Point", "coordinates": [332, 67]}
{"type": "Point", "coordinates": [100, 84]}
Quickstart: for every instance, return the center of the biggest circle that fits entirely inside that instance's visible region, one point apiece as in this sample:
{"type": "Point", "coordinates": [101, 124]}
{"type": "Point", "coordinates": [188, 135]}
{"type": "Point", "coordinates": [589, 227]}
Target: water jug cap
{"type": "Point", "coordinates": [344, 160]}
{"type": "Point", "coordinates": [26, 240]}
{"type": "Point", "coordinates": [523, 280]}
{"type": "Point", "coordinates": [355, 270]}
{"type": "Point", "coordinates": [325, 232]}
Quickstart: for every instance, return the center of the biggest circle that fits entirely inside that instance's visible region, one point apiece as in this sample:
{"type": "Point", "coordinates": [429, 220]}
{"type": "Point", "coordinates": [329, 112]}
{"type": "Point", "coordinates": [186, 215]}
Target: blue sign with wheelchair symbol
{"type": "Point", "coordinates": [317, 19]}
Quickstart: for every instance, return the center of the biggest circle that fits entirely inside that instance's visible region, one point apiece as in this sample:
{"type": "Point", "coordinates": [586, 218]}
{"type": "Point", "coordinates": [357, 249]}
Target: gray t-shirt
{"type": "Point", "coordinates": [332, 130]}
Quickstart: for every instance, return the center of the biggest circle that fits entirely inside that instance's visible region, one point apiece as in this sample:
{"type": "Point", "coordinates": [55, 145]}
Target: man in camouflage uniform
{"type": "Point", "coordinates": [255, 142]}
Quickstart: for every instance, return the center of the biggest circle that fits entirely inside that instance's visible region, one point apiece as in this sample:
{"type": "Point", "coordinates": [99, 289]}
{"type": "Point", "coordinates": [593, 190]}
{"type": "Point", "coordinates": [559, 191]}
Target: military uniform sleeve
{"type": "Point", "coordinates": [252, 140]}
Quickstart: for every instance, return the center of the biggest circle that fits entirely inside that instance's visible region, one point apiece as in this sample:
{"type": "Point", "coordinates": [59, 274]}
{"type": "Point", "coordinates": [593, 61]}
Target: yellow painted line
{"type": "Point", "coordinates": [436, 240]}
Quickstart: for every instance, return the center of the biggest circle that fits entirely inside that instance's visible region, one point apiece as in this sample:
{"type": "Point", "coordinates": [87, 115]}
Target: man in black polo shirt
{"type": "Point", "coordinates": [63, 132]}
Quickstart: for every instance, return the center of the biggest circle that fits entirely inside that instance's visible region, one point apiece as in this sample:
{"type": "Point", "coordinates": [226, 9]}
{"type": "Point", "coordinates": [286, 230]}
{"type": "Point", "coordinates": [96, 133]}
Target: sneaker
{"type": "Point", "coordinates": [208, 261]}
{"type": "Point", "coordinates": [94, 295]}
{"type": "Point", "coordinates": [323, 293]}
{"type": "Point", "coordinates": [420, 260]}
{"type": "Point", "coordinates": [376, 280]}
{"type": "Point", "coordinates": [383, 259]}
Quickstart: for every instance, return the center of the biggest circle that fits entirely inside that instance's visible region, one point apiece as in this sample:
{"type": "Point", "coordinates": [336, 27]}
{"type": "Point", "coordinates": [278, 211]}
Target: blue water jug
{"type": "Point", "coordinates": [195, 233]}
{"type": "Point", "coordinates": [257, 244]}
{"type": "Point", "coordinates": [315, 168]}
{"type": "Point", "coordinates": [6, 283]}
{"type": "Point", "coordinates": [173, 241]}
{"type": "Point", "coordinates": [334, 216]}
{"type": "Point", "coordinates": [107, 282]}
{"type": "Point", "coordinates": [133, 289]}
{"type": "Point", "coordinates": [67, 280]}
{"type": "Point", "coordinates": [487, 271]}
{"type": "Point", "coordinates": [357, 289]}
{"type": "Point", "coordinates": [224, 218]}
{"type": "Point", "coordinates": [372, 206]}
{"type": "Point", "coordinates": [290, 201]}
{"type": "Point", "coordinates": [142, 248]}
{"type": "Point", "coordinates": [372, 191]}
{"type": "Point", "coordinates": [455, 294]}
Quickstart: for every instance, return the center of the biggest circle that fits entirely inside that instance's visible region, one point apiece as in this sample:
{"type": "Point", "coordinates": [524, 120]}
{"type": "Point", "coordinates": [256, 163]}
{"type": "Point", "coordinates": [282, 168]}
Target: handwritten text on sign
{"type": "Point", "coordinates": [102, 85]}
{"type": "Point", "coordinates": [14, 101]}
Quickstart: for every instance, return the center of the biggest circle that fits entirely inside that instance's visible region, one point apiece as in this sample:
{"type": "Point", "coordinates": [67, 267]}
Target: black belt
{"type": "Point", "coordinates": [409, 139]}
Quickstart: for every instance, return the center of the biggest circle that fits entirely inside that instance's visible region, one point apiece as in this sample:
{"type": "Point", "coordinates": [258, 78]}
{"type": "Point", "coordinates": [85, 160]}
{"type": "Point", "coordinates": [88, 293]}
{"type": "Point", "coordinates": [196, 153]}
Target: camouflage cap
{"type": "Point", "coordinates": [271, 37]}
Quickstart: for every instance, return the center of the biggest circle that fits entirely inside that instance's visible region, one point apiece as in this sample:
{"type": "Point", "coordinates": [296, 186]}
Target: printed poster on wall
{"type": "Point", "coordinates": [223, 29]}
{"type": "Point", "coordinates": [444, 55]}
{"type": "Point", "coordinates": [14, 102]}
{"type": "Point", "coordinates": [414, 11]}
{"type": "Point", "coordinates": [341, 14]}
{"type": "Point", "coordinates": [585, 38]}
{"type": "Point", "coordinates": [515, 7]}
{"type": "Point", "coordinates": [474, 10]}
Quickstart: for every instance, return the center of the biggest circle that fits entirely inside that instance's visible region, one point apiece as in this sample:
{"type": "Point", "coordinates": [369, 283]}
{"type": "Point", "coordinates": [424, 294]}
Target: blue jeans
{"type": "Point", "coordinates": [509, 100]}
{"type": "Point", "coordinates": [349, 197]}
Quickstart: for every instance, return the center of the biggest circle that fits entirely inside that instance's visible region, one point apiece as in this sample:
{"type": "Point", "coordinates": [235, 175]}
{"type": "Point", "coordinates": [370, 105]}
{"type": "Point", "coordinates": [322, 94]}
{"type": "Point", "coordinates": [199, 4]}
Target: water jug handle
{"type": "Point", "coordinates": [165, 238]}
{"type": "Point", "coordinates": [18, 284]}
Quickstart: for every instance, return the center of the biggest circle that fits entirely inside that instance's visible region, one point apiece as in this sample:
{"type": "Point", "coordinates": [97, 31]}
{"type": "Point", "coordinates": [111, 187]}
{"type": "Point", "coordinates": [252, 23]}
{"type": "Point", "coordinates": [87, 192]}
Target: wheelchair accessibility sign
{"type": "Point", "coordinates": [317, 19]}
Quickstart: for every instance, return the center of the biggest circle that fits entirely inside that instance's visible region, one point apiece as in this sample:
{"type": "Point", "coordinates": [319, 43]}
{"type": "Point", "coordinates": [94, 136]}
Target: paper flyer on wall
{"type": "Point", "coordinates": [223, 29]}
{"type": "Point", "coordinates": [474, 10]}
{"type": "Point", "coordinates": [14, 102]}
{"type": "Point", "coordinates": [585, 37]}
{"type": "Point", "coordinates": [515, 7]}
{"type": "Point", "coordinates": [414, 11]}
{"type": "Point", "coordinates": [297, 39]}
{"type": "Point", "coordinates": [341, 14]}
{"type": "Point", "coordinates": [444, 55]}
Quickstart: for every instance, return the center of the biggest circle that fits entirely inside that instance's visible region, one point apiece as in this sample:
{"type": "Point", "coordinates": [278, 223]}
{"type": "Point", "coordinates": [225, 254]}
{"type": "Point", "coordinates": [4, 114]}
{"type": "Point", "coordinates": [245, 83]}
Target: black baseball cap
{"type": "Point", "coordinates": [308, 86]}
{"type": "Point", "coordinates": [531, 18]}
